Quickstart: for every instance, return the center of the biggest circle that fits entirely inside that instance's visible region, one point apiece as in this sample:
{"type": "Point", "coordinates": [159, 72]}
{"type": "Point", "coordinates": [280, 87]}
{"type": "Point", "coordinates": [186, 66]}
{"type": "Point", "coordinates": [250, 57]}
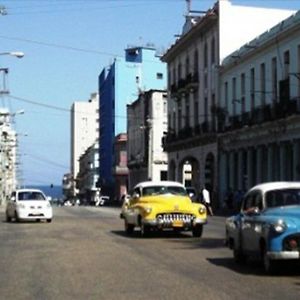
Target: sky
{"type": "Point", "coordinates": [66, 45]}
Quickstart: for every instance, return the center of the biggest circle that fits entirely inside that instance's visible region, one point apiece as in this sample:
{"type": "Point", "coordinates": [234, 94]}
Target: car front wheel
{"type": "Point", "coordinates": [270, 265]}
{"type": "Point", "coordinates": [8, 218]}
{"type": "Point", "coordinates": [145, 230]}
{"type": "Point", "coordinates": [197, 231]}
{"type": "Point", "coordinates": [129, 228]}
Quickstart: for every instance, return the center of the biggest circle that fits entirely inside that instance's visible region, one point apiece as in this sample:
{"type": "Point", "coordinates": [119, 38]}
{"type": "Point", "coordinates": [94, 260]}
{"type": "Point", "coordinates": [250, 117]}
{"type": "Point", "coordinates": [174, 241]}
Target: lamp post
{"type": "Point", "coordinates": [17, 54]}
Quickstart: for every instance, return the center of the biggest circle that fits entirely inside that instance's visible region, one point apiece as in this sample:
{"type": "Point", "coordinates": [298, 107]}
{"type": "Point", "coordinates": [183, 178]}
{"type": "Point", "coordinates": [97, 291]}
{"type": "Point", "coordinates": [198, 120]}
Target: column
{"type": "Point", "coordinates": [240, 175]}
{"type": "Point", "coordinates": [259, 163]}
{"type": "Point", "coordinates": [282, 153]}
{"type": "Point", "coordinates": [271, 168]}
{"type": "Point", "coordinates": [250, 167]}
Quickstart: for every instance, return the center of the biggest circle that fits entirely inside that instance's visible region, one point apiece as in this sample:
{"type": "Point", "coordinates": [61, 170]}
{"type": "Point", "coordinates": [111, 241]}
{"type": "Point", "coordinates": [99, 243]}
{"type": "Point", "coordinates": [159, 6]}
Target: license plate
{"type": "Point", "coordinates": [177, 223]}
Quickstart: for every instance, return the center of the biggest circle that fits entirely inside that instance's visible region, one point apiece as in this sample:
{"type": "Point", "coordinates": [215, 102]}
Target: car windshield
{"type": "Point", "coordinates": [283, 197]}
{"type": "Point", "coordinates": [162, 189]}
{"type": "Point", "coordinates": [23, 196]}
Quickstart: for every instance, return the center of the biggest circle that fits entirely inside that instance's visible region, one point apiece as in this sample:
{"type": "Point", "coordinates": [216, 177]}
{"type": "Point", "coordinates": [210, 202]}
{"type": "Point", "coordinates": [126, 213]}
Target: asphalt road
{"type": "Point", "coordinates": [84, 254]}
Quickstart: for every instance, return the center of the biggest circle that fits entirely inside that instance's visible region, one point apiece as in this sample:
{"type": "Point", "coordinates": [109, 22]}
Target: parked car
{"type": "Point", "coordinates": [28, 204]}
{"type": "Point", "coordinates": [268, 225]}
{"type": "Point", "coordinates": [161, 205]}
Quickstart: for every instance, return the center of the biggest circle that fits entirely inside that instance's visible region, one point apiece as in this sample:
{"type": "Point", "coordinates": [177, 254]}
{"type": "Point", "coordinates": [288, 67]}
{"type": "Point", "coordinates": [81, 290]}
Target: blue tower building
{"type": "Point", "coordinates": [119, 85]}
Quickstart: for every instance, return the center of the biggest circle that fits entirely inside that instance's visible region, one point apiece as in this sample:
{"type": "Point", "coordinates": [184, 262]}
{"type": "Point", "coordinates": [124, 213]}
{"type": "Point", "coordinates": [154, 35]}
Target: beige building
{"type": "Point", "coordinates": [193, 85]}
{"type": "Point", "coordinates": [147, 122]}
{"type": "Point", "coordinates": [259, 113]}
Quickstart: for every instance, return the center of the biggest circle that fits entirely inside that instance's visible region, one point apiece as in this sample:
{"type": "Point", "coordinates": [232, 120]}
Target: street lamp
{"type": "Point", "coordinates": [17, 54]}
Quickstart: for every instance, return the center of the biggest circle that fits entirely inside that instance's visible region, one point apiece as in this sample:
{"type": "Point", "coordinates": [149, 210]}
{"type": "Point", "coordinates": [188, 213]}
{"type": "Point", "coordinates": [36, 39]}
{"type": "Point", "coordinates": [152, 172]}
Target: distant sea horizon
{"type": "Point", "coordinates": [53, 192]}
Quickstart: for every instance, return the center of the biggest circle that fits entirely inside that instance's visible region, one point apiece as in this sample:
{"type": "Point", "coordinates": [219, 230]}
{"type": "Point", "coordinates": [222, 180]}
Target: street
{"type": "Point", "coordinates": [84, 254]}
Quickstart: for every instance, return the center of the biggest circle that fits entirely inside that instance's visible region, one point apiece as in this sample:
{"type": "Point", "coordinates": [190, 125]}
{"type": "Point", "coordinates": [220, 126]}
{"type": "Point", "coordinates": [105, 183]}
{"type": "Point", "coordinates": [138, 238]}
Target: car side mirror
{"type": "Point", "coordinates": [136, 195]}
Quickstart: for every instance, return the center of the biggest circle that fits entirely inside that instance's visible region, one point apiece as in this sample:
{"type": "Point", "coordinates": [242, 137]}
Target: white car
{"type": "Point", "coordinates": [28, 204]}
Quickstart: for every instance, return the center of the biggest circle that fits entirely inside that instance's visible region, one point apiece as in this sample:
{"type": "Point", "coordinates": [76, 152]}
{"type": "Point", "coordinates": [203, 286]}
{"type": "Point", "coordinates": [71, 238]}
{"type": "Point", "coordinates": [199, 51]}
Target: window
{"type": "Point", "coordinates": [274, 79]}
{"type": "Point", "coordinates": [243, 91]}
{"type": "Point", "coordinates": [234, 99]}
{"type": "Point", "coordinates": [195, 62]}
{"type": "Point", "coordinates": [286, 58]}
{"type": "Point", "coordinates": [196, 109]}
{"type": "Point", "coordinates": [187, 66]}
{"type": "Point", "coordinates": [213, 51]}
{"type": "Point", "coordinates": [205, 56]}
{"type": "Point", "coordinates": [263, 84]}
{"type": "Point", "coordinates": [252, 88]}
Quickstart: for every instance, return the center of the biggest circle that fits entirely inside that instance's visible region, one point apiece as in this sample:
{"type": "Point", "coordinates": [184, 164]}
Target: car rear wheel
{"type": "Point", "coordinates": [145, 230]}
{"type": "Point", "coordinates": [197, 231]}
{"type": "Point", "coordinates": [49, 220]}
{"type": "Point", "coordinates": [129, 228]}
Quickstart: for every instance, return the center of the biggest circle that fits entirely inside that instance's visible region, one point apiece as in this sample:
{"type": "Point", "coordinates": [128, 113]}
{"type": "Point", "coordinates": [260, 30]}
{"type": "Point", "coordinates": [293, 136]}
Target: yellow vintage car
{"type": "Point", "coordinates": [161, 205]}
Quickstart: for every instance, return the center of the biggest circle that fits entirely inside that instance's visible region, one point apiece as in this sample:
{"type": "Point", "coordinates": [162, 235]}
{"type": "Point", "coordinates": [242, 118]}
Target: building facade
{"type": "Point", "coordinates": [259, 113]}
{"type": "Point", "coordinates": [88, 175]}
{"type": "Point", "coordinates": [120, 172]}
{"type": "Point", "coordinates": [147, 122]}
{"type": "Point", "coordinates": [84, 131]}
{"type": "Point", "coordinates": [8, 146]}
{"type": "Point", "coordinates": [120, 84]}
{"type": "Point", "coordinates": [193, 85]}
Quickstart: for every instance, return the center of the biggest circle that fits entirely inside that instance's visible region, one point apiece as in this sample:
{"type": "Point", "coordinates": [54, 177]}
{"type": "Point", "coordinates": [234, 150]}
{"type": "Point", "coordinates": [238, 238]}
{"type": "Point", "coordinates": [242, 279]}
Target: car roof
{"type": "Point", "coordinates": [155, 183]}
{"type": "Point", "coordinates": [276, 185]}
{"type": "Point", "coordinates": [28, 190]}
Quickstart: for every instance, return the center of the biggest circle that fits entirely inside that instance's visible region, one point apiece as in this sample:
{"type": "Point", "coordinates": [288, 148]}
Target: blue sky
{"type": "Point", "coordinates": [66, 45]}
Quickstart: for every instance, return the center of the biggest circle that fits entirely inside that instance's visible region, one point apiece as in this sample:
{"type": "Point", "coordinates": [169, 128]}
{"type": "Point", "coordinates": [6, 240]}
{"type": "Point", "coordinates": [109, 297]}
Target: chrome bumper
{"type": "Point", "coordinates": [284, 255]}
{"type": "Point", "coordinates": [165, 224]}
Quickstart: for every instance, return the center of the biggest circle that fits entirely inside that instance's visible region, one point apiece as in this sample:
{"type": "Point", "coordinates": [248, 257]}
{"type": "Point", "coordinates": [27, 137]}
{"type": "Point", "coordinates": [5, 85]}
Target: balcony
{"type": "Point", "coordinates": [188, 137]}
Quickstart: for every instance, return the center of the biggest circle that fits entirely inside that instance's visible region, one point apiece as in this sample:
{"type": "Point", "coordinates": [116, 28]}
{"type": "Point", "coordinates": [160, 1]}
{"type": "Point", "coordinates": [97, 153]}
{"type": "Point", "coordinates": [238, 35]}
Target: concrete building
{"type": "Point", "coordinates": [88, 175]}
{"type": "Point", "coordinates": [120, 171]}
{"type": "Point", "coordinates": [84, 130]}
{"type": "Point", "coordinates": [120, 84]}
{"type": "Point", "coordinates": [259, 113]}
{"type": "Point", "coordinates": [147, 121]}
{"type": "Point", "coordinates": [8, 146]}
{"type": "Point", "coordinates": [193, 84]}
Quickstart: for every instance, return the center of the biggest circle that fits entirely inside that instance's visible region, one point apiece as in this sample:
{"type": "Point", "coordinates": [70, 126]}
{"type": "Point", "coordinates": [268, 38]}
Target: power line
{"type": "Point", "coordinates": [59, 46]}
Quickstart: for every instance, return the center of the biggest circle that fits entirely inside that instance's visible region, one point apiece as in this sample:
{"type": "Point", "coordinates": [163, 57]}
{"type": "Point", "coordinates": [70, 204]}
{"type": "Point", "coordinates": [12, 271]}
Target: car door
{"type": "Point", "coordinates": [251, 224]}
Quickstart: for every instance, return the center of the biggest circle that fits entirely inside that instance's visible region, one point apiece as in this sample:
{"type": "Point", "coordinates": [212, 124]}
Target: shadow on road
{"type": "Point", "coordinates": [254, 267]}
{"type": "Point", "coordinates": [154, 234]}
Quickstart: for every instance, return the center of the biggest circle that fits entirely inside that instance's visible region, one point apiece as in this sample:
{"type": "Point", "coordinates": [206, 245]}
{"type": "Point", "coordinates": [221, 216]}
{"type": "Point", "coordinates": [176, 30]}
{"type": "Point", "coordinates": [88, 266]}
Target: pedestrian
{"type": "Point", "coordinates": [206, 200]}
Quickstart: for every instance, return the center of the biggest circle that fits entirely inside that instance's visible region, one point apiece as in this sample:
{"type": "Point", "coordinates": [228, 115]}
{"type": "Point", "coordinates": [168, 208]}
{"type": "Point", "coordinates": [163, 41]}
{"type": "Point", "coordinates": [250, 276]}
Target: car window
{"type": "Point", "coordinates": [162, 189]}
{"type": "Point", "coordinates": [23, 196]}
{"type": "Point", "coordinates": [282, 197]}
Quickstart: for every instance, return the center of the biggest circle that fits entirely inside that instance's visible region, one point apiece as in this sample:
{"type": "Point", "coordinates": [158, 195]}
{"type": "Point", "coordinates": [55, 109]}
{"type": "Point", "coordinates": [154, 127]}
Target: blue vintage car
{"type": "Point", "coordinates": [268, 225]}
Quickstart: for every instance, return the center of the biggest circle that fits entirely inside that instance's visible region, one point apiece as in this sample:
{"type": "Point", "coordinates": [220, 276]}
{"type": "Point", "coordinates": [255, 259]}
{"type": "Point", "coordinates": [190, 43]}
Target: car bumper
{"type": "Point", "coordinates": [172, 224]}
{"type": "Point", "coordinates": [30, 215]}
{"type": "Point", "coordinates": [283, 255]}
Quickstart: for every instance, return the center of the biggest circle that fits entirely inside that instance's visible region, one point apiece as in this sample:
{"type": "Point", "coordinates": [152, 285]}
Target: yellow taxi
{"type": "Point", "coordinates": [161, 205]}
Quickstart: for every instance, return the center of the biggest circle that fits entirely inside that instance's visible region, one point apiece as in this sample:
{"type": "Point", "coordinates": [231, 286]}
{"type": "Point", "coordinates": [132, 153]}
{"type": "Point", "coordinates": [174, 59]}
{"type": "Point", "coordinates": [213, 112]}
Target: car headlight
{"type": "Point", "coordinates": [21, 205]}
{"type": "Point", "coordinates": [202, 210]}
{"type": "Point", "coordinates": [279, 226]}
{"type": "Point", "coordinates": [148, 210]}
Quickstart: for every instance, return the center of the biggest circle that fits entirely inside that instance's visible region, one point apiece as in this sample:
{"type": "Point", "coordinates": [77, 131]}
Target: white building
{"type": "Point", "coordinates": [8, 150]}
{"type": "Point", "coordinates": [89, 174]}
{"type": "Point", "coordinates": [259, 113]}
{"type": "Point", "coordinates": [84, 129]}
{"type": "Point", "coordinates": [147, 121]}
{"type": "Point", "coordinates": [193, 84]}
